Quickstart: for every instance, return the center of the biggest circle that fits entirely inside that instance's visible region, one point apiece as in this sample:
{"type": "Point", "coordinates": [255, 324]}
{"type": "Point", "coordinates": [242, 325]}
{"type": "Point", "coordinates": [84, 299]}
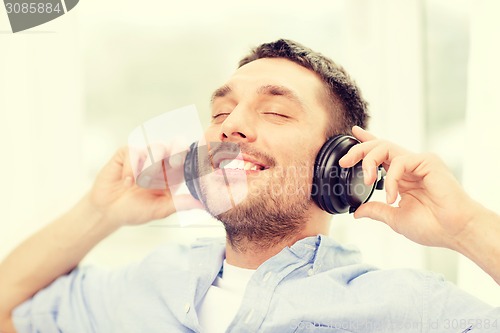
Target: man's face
{"type": "Point", "coordinates": [272, 109]}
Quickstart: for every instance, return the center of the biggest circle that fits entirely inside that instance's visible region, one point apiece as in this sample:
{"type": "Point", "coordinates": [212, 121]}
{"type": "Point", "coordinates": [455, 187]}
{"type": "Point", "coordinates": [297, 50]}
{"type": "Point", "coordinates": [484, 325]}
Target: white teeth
{"type": "Point", "coordinates": [232, 164]}
{"type": "Point", "coordinates": [249, 165]}
{"type": "Point", "coordinates": [238, 165]}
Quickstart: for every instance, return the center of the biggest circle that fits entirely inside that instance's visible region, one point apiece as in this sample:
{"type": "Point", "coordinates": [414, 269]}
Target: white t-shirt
{"type": "Point", "coordinates": [223, 299]}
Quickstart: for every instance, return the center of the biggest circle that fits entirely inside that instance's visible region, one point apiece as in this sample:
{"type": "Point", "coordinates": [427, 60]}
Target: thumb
{"type": "Point", "coordinates": [377, 211]}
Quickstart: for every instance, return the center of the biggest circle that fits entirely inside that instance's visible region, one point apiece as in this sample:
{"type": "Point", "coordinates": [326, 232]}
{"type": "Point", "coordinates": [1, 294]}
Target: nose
{"type": "Point", "coordinates": [238, 126]}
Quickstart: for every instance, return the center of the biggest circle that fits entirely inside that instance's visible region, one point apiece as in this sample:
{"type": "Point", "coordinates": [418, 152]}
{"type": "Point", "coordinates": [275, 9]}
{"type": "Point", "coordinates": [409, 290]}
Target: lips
{"type": "Point", "coordinates": [240, 165]}
{"type": "Point", "coordinates": [222, 160]}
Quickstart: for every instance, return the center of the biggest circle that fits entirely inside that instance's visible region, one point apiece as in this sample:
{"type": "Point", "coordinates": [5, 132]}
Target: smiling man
{"type": "Point", "coordinates": [270, 108]}
{"type": "Point", "coordinates": [276, 271]}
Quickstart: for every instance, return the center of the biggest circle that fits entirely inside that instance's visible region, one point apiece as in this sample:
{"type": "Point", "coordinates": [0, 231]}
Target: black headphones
{"type": "Point", "coordinates": [191, 173]}
{"type": "Point", "coordinates": [338, 190]}
{"type": "Point", "coordinates": [335, 189]}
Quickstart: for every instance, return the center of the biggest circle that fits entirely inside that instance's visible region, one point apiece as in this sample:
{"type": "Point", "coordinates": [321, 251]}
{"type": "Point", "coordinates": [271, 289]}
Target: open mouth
{"type": "Point", "coordinates": [240, 162]}
{"type": "Point", "coordinates": [240, 165]}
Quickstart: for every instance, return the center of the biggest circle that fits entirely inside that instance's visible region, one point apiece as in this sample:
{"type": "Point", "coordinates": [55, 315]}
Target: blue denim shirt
{"type": "Point", "coordinates": [316, 285]}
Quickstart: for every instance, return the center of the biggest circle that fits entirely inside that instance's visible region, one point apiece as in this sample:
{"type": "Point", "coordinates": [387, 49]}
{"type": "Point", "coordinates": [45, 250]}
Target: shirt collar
{"type": "Point", "coordinates": [324, 253]}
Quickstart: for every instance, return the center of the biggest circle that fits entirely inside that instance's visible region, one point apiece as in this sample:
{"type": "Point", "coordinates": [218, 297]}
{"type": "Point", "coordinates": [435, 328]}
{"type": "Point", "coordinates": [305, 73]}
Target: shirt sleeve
{"type": "Point", "coordinates": [81, 301]}
{"type": "Point", "coordinates": [450, 309]}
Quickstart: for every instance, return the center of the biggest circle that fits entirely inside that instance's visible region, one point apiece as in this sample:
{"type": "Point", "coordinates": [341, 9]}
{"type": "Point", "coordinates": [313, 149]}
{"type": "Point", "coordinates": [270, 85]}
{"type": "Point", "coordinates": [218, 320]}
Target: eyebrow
{"type": "Point", "coordinates": [270, 90]}
{"type": "Point", "coordinates": [221, 92]}
{"type": "Point", "coordinates": [274, 90]}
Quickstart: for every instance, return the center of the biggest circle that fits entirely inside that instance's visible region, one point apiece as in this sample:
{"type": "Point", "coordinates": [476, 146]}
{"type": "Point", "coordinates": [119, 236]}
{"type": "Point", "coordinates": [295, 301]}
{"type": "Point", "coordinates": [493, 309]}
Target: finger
{"type": "Point", "coordinates": [157, 152]}
{"type": "Point", "coordinates": [393, 176]}
{"type": "Point", "coordinates": [177, 147]}
{"type": "Point", "coordinates": [143, 160]}
{"type": "Point", "coordinates": [174, 164]}
{"type": "Point", "coordinates": [375, 157]}
{"type": "Point", "coordinates": [357, 153]}
{"type": "Point", "coordinates": [135, 163]}
{"type": "Point", "coordinates": [400, 166]}
{"type": "Point", "coordinates": [362, 135]}
{"type": "Point", "coordinates": [166, 172]}
{"type": "Point", "coordinates": [377, 211]}
{"type": "Point", "coordinates": [177, 160]}
{"type": "Point", "coordinates": [178, 152]}
{"type": "Point", "coordinates": [136, 153]}
{"type": "Point", "coordinates": [118, 167]}
{"type": "Point", "coordinates": [153, 173]}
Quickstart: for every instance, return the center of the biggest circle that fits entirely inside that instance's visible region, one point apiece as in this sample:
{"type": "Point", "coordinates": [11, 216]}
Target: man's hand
{"type": "Point", "coordinates": [113, 201]}
{"type": "Point", "coordinates": [434, 210]}
{"type": "Point", "coordinates": [122, 202]}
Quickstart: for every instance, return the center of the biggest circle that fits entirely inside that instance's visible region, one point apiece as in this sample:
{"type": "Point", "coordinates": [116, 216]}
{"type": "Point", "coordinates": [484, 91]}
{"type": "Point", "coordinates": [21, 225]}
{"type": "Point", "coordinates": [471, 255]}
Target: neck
{"type": "Point", "coordinates": [251, 254]}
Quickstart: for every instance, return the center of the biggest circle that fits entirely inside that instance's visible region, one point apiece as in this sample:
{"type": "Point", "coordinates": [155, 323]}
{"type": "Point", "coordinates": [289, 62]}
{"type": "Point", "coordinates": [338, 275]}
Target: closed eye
{"type": "Point", "coordinates": [277, 114]}
{"type": "Point", "coordinates": [220, 116]}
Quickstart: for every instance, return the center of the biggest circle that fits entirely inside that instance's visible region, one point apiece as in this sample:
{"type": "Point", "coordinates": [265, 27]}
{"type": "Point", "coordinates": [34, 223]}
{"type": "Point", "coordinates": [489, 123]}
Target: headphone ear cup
{"type": "Point", "coordinates": [327, 177]}
{"type": "Point", "coordinates": [191, 171]}
{"type": "Point", "coordinates": [337, 190]}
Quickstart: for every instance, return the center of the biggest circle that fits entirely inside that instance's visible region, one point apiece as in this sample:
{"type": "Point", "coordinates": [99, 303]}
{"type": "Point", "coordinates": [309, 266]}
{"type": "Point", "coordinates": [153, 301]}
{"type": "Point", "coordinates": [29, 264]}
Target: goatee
{"type": "Point", "coordinates": [275, 207]}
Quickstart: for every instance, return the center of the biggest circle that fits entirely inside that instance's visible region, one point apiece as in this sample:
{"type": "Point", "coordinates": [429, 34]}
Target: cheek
{"type": "Point", "coordinates": [212, 134]}
{"type": "Point", "coordinates": [297, 164]}
{"type": "Point", "coordinates": [293, 147]}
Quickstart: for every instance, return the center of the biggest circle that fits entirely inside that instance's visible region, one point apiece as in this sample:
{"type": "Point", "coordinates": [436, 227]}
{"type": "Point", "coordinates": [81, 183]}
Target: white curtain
{"type": "Point", "coordinates": [383, 52]}
{"type": "Point", "coordinates": [41, 112]}
{"type": "Point", "coordinates": [481, 151]}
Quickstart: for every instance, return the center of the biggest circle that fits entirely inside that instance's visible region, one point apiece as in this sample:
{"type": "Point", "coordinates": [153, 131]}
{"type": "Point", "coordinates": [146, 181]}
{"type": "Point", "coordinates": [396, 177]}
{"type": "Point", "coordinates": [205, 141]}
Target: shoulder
{"type": "Point", "coordinates": [399, 278]}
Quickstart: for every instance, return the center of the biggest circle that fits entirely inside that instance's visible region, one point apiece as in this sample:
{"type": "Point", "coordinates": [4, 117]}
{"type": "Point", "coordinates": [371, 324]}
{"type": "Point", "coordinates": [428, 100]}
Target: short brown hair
{"type": "Point", "coordinates": [347, 106]}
